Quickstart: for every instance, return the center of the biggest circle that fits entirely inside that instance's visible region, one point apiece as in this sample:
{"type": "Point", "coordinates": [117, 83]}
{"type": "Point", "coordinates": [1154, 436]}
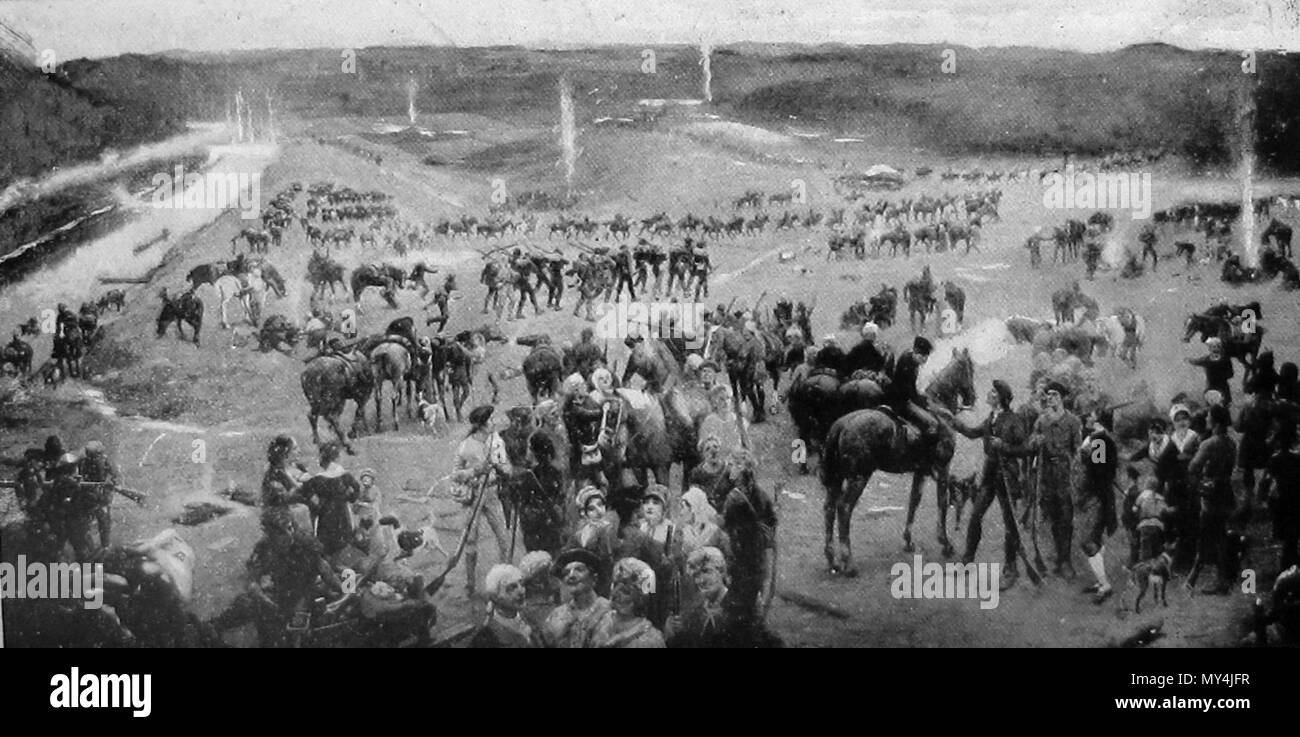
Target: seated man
{"type": "Point", "coordinates": [901, 394]}
{"type": "Point", "coordinates": [287, 571]}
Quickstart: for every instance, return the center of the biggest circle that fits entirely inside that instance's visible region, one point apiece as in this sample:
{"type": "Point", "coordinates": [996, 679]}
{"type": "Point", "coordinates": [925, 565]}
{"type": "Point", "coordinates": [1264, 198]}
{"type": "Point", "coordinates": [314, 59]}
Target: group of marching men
{"type": "Point", "coordinates": [597, 272]}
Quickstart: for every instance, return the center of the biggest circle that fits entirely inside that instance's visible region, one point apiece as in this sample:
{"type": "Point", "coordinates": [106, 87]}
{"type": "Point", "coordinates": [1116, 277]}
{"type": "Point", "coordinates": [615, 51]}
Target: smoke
{"type": "Point", "coordinates": [706, 62]}
{"type": "Point", "coordinates": [1246, 132]}
{"type": "Point", "coordinates": [200, 136]}
{"type": "Point", "coordinates": [988, 342]}
{"type": "Point", "coordinates": [411, 87]}
{"type": "Point", "coordinates": [568, 132]}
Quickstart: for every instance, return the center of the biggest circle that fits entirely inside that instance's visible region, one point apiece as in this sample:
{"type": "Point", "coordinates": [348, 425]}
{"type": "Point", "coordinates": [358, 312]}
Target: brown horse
{"type": "Point", "coordinates": [869, 440]}
{"type": "Point", "coordinates": [328, 382]}
{"type": "Point", "coordinates": [542, 368]}
{"type": "Point", "coordinates": [390, 362]}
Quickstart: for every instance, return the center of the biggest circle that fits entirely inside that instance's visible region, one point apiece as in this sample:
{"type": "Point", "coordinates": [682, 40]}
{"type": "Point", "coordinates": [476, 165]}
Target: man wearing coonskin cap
{"type": "Point", "coordinates": [1055, 437]}
{"type": "Point", "coordinates": [902, 395]}
{"type": "Point", "coordinates": [1005, 440]}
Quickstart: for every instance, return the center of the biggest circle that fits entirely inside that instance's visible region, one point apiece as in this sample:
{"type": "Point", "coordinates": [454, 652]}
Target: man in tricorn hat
{"type": "Point", "coordinates": [1055, 438]}
{"type": "Point", "coordinates": [481, 465]}
{"type": "Point", "coordinates": [1005, 440]}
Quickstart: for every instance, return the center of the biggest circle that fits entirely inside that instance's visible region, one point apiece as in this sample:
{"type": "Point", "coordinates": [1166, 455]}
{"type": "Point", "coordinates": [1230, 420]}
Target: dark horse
{"type": "Point", "coordinates": [919, 295]}
{"type": "Point", "coordinates": [322, 271]}
{"type": "Point", "coordinates": [388, 278]}
{"type": "Point", "coordinates": [1244, 346]}
{"type": "Point", "coordinates": [869, 440]}
{"type": "Point", "coordinates": [328, 382]}
{"type": "Point", "coordinates": [187, 308]}
{"type": "Point", "coordinates": [1281, 232]}
{"type": "Point", "coordinates": [542, 369]}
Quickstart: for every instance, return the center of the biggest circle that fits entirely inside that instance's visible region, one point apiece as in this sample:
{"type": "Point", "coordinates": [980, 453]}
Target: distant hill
{"type": "Point", "coordinates": [1005, 100]}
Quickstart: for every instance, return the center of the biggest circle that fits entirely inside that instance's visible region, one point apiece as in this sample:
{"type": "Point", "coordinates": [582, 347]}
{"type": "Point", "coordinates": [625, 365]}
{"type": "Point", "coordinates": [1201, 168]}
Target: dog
{"type": "Point", "coordinates": [430, 413]}
{"type": "Point", "coordinates": [961, 491]}
{"type": "Point", "coordinates": [1156, 571]}
{"type": "Point", "coordinates": [410, 541]}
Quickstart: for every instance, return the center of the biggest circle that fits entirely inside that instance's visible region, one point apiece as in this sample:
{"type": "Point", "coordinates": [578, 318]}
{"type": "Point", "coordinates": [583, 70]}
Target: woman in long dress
{"type": "Point", "coordinates": [330, 494]}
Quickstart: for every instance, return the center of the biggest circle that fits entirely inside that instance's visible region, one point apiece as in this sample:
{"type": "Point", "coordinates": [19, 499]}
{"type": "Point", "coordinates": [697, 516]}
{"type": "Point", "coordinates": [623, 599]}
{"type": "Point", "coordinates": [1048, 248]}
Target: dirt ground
{"type": "Point", "coordinates": [159, 402]}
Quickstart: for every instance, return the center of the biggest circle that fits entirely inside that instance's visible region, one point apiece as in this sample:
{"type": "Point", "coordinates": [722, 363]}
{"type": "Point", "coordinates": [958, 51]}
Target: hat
{"type": "Point", "coordinates": [656, 491]}
{"type": "Point", "coordinates": [520, 414]}
{"type": "Point", "coordinates": [1179, 408]}
{"type": "Point", "coordinates": [922, 345]}
{"type": "Point", "coordinates": [367, 472]}
{"type": "Point", "coordinates": [709, 365]}
{"type": "Point", "coordinates": [587, 493]}
{"type": "Point", "coordinates": [1058, 387]}
{"type": "Point", "coordinates": [870, 330]}
{"type": "Point", "coordinates": [1005, 395]}
{"type": "Point", "coordinates": [534, 563]}
{"type": "Point", "coordinates": [480, 415]}
{"type": "Point", "coordinates": [636, 572]}
{"type": "Point", "coordinates": [1214, 342]}
{"type": "Point", "coordinates": [94, 446]}
{"type": "Point", "coordinates": [575, 555]}
{"type": "Point", "coordinates": [694, 361]}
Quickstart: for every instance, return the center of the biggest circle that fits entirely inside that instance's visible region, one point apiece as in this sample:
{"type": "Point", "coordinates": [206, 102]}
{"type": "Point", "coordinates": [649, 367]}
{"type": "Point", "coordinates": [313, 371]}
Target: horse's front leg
{"type": "Point", "coordinates": [913, 501]}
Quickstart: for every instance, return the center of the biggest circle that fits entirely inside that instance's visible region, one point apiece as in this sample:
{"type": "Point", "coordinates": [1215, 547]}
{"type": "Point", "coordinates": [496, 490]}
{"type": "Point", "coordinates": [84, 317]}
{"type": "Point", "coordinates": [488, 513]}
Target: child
{"type": "Point", "coordinates": [1151, 510]}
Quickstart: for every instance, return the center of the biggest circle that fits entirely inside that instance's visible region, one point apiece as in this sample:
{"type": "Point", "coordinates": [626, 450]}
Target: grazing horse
{"type": "Point", "coordinates": [258, 240]}
{"type": "Point", "coordinates": [543, 367]}
{"type": "Point", "coordinates": [1025, 329]}
{"type": "Point", "coordinates": [17, 353]}
{"type": "Point", "coordinates": [388, 278]}
{"type": "Point", "coordinates": [273, 279]}
{"type": "Point", "coordinates": [187, 308]}
{"type": "Point", "coordinates": [114, 297]}
{"type": "Point", "coordinates": [869, 440]}
{"type": "Point", "coordinates": [390, 362]}
{"type": "Point", "coordinates": [328, 382]}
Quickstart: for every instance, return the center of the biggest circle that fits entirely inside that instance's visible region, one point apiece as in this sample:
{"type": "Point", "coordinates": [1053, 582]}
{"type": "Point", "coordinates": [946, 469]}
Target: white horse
{"type": "Point", "coordinates": [249, 289]}
{"type": "Point", "coordinates": [1121, 346]}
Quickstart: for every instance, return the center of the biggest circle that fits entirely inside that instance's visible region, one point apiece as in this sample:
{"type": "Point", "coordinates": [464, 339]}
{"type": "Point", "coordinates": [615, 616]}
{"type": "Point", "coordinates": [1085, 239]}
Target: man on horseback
{"type": "Point", "coordinates": [348, 354]}
{"type": "Point", "coordinates": [865, 356]}
{"type": "Point", "coordinates": [902, 396]}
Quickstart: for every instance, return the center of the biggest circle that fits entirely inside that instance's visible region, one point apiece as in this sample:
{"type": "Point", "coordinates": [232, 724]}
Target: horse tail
{"type": "Point", "coordinates": [832, 476]}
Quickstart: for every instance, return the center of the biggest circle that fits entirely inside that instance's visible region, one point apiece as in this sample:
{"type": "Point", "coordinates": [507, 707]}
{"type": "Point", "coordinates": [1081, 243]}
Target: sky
{"type": "Point", "coordinates": [96, 28]}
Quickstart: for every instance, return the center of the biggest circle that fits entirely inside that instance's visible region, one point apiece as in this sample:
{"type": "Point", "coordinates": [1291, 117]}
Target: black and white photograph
{"type": "Point", "coordinates": [362, 324]}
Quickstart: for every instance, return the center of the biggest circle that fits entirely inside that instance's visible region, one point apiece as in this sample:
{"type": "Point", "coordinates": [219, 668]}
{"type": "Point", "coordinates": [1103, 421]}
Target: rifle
{"type": "Point", "coordinates": [1020, 545]}
{"type": "Point", "coordinates": [136, 496]}
{"type": "Point", "coordinates": [437, 583]}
